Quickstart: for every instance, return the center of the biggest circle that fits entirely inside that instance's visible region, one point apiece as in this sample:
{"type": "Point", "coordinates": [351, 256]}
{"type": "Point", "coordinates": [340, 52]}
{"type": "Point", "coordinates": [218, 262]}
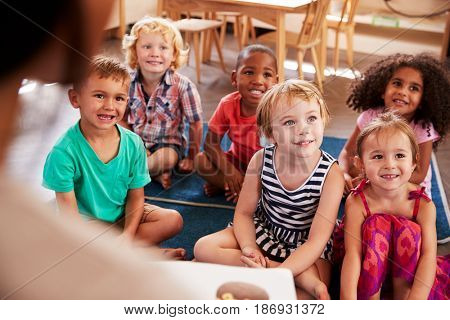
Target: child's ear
{"type": "Point", "coordinates": [73, 98]}
{"type": "Point", "coordinates": [233, 79]}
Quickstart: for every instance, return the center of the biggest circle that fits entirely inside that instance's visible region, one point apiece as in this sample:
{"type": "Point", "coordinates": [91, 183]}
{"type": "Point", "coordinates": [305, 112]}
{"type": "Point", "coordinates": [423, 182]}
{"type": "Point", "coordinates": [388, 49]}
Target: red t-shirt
{"type": "Point", "coordinates": [242, 131]}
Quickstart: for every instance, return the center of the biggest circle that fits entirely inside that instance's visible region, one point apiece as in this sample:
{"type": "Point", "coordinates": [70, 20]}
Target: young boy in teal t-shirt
{"type": "Point", "coordinates": [98, 169]}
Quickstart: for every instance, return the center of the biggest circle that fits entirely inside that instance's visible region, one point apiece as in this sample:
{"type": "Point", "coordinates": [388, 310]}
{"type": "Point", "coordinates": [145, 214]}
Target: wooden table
{"type": "Point", "coordinates": [269, 11]}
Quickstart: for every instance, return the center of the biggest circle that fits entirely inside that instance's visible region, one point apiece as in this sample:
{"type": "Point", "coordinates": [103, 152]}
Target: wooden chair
{"type": "Point", "coordinates": [308, 38]}
{"type": "Point", "coordinates": [343, 23]}
{"type": "Point", "coordinates": [239, 19]}
{"type": "Point", "coordinates": [197, 28]}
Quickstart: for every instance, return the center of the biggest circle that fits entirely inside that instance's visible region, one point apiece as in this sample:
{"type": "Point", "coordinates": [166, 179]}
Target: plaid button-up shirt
{"type": "Point", "coordinates": [161, 120]}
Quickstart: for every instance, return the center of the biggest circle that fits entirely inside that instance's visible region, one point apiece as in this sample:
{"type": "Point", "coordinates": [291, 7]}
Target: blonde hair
{"type": "Point", "coordinates": [384, 122]}
{"type": "Point", "coordinates": [289, 90]}
{"type": "Point", "coordinates": [105, 67]}
{"type": "Point", "coordinates": [152, 25]}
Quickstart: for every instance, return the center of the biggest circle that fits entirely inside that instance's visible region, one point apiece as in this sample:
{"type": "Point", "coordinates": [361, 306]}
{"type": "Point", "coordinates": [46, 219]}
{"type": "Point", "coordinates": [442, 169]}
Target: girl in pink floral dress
{"type": "Point", "coordinates": [390, 223]}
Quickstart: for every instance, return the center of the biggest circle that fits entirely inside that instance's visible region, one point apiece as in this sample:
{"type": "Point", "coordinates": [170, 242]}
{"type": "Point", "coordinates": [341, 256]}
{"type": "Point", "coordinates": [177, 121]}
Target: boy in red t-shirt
{"type": "Point", "coordinates": [255, 73]}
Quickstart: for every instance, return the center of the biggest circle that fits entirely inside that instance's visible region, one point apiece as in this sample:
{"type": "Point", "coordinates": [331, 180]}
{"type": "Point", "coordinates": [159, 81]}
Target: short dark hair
{"type": "Point", "coordinates": [255, 48]}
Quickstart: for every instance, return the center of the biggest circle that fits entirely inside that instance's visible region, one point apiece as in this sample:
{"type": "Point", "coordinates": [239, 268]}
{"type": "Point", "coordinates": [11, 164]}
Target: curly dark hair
{"type": "Point", "coordinates": [366, 92]}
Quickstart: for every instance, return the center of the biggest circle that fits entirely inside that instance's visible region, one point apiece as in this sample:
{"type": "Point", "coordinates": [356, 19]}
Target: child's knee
{"type": "Point", "coordinates": [202, 249]}
{"type": "Point", "coordinates": [174, 220]}
{"type": "Point", "coordinates": [202, 162]}
{"type": "Point", "coordinates": [199, 160]}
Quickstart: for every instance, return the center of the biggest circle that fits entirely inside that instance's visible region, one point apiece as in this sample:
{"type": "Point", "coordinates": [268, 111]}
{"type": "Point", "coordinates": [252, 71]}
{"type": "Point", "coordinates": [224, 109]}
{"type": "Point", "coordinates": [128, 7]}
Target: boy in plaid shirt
{"type": "Point", "coordinates": [161, 99]}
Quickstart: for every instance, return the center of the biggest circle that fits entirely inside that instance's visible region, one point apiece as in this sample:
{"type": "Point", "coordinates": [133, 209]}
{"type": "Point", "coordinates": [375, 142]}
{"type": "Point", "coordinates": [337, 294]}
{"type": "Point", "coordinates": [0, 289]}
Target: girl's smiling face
{"type": "Point", "coordinates": [297, 128]}
{"type": "Point", "coordinates": [404, 92]}
{"type": "Point", "coordinates": [387, 159]}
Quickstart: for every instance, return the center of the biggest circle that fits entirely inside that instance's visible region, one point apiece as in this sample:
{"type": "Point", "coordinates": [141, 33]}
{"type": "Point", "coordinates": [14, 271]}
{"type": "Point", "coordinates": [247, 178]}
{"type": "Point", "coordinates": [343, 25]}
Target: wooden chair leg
{"type": "Point", "coordinates": [219, 50]}
{"type": "Point", "coordinates": [349, 33]}
{"type": "Point", "coordinates": [300, 55]}
{"type": "Point", "coordinates": [238, 31]}
{"type": "Point", "coordinates": [187, 37]}
{"type": "Point", "coordinates": [336, 52]}
{"type": "Point", "coordinates": [197, 55]}
{"type": "Point", "coordinates": [244, 36]}
{"type": "Point", "coordinates": [223, 31]}
{"type": "Point", "coordinates": [323, 53]}
{"type": "Point", "coordinates": [252, 29]}
{"type": "Point", "coordinates": [319, 75]}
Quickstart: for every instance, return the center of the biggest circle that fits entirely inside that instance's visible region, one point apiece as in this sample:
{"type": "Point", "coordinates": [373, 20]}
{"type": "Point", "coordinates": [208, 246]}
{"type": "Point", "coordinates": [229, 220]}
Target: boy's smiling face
{"type": "Point", "coordinates": [154, 53]}
{"type": "Point", "coordinates": [256, 74]}
{"type": "Point", "coordinates": [102, 102]}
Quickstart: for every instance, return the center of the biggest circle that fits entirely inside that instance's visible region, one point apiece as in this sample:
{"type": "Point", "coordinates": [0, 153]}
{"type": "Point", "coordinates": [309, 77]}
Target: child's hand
{"type": "Point", "coordinates": [186, 165]}
{"type": "Point", "coordinates": [124, 239]}
{"type": "Point", "coordinates": [348, 183]}
{"type": "Point", "coordinates": [253, 258]}
{"type": "Point", "coordinates": [255, 263]}
{"type": "Point", "coordinates": [351, 183]}
{"type": "Point", "coordinates": [230, 196]}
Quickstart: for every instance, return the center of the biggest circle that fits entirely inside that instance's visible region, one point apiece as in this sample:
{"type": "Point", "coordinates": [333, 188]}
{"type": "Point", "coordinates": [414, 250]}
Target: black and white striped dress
{"type": "Point", "coordinates": [283, 218]}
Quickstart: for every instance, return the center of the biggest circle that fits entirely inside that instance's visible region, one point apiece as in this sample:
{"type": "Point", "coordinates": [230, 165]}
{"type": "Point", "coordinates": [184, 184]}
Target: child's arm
{"type": "Point", "coordinates": [243, 225]}
{"type": "Point", "coordinates": [134, 209]}
{"type": "Point", "coordinates": [232, 176]}
{"type": "Point", "coordinates": [346, 160]}
{"type": "Point", "coordinates": [67, 202]}
{"type": "Point", "coordinates": [423, 164]}
{"type": "Point", "coordinates": [426, 268]}
{"type": "Point", "coordinates": [351, 266]}
{"type": "Point", "coordinates": [195, 139]}
{"type": "Point", "coordinates": [322, 225]}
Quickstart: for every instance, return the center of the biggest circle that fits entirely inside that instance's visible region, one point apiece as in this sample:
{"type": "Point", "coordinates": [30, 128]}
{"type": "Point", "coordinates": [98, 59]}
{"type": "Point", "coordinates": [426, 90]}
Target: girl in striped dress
{"type": "Point", "coordinates": [290, 197]}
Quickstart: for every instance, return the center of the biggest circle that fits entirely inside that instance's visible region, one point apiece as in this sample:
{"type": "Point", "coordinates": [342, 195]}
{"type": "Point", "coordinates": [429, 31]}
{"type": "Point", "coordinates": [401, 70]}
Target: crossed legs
{"type": "Point", "coordinates": [160, 164]}
{"type": "Point", "coordinates": [222, 248]}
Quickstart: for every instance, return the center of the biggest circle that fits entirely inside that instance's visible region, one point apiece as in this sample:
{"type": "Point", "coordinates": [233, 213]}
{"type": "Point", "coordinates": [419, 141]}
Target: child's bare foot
{"type": "Point", "coordinates": [164, 179]}
{"type": "Point", "coordinates": [321, 292]}
{"type": "Point", "coordinates": [211, 190]}
{"type": "Point", "coordinates": [174, 254]}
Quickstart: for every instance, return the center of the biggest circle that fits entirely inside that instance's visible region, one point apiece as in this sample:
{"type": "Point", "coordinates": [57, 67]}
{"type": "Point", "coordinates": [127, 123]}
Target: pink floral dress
{"type": "Point", "coordinates": [391, 244]}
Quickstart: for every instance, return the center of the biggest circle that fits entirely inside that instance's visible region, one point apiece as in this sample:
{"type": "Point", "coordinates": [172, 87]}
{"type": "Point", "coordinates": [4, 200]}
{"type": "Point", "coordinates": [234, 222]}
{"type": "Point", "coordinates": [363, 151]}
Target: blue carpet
{"type": "Point", "coordinates": [203, 215]}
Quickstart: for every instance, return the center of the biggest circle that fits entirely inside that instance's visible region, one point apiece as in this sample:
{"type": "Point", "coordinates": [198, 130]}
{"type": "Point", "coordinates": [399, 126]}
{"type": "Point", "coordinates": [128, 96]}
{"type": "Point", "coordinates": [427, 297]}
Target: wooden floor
{"type": "Point", "coordinates": [47, 113]}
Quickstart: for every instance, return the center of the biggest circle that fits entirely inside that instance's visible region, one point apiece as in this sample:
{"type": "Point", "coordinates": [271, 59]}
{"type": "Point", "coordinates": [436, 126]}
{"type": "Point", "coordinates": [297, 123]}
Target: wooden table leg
{"type": "Point", "coordinates": [159, 8]}
{"type": "Point", "coordinates": [122, 22]}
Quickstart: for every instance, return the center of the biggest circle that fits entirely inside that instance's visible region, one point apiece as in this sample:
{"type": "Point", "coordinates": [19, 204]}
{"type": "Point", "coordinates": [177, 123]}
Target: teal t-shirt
{"type": "Point", "coordinates": [100, 188]}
